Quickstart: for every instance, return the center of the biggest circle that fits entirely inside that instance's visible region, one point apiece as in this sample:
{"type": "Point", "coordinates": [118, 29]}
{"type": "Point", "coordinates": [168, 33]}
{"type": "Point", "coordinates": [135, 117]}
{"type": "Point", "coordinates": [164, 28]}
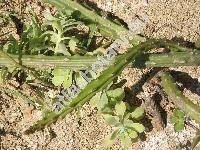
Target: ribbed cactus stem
{"type": "Point", "coordinates": [172, 59]}
{"type": "Point", "coordinates": [41, 61]}
{"type": "Point", "coordinates": [177, 97]}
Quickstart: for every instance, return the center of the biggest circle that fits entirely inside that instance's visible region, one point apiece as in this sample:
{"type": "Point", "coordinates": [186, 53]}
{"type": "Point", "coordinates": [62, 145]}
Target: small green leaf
{"type": "Point", "coordinates": [137, 113]}
{"type": "Point", "coordinates": [58, 72]}
{"type": "Point", "coordinates": [178, 127]}
{"type": "Point", "coordinates": [111, 120]}
{"type": "Point", "coordinates": [138, 127]}
{"type": "Point", "coordinates": [80, 81]}
{"type": "Point", "coordinates": [178, 120]}
{"type": "Point", "coordinates": [179, 113]}
{"type": "Point", "coordinates": [72, 45]}
{"type": "Point", "coordinates": [103, 101]}
{"type": "Point", "coordinates": [57, 80]}
{"type": "Point", "coordinates": [117, 93]}
{"type": "Point", "coordinates": [55, 37]}
{"type": "Point", "coordinates": [48, 16]}
{"type": "Point", "coordinates": [100, 100]}
{"type": "Point", "coordinates": [177, 116]}
{"type": "Point", "coordinates": [61, 48]}
{"type": "Point", "coordinates": [95, 99]}
{"type": "Point", "coordinates": [57, 26]}
{"type": "Point", "coordinates": [58, 77]}
{"type": "Point", "coordinates": [125, 140]}
{"type": "Point", "coordinates": [132, 133]}
{"type": "Point", "coordinates": [128, 122]}
{"type": "Point", "coordinates": [107, 110]}
{"type": "Point", "coordinates": [120, 108]}
{"type": "Point", "coordinates": [62, 76]}
{"type": "Point", "coordinates": [110, 139]}
{"type": "Point", "coordinates": [174, 119]}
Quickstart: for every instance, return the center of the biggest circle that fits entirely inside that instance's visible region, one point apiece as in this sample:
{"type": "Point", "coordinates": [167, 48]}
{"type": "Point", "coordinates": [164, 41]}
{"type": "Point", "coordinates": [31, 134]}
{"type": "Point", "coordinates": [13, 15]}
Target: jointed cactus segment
{"type": "Point", "coordinates": [176, 96]}
{"type": "Point", "coordinates": [41, 61]}
{"type": "Point", "coordinates": [179, 56]}
{"type": "Point", "coordinates": [172, 59]}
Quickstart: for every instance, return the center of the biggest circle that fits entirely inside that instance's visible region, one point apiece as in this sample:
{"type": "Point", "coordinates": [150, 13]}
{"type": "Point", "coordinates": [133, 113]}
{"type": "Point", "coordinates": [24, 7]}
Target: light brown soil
{"type": "Point", "coordinates": [168, 19]}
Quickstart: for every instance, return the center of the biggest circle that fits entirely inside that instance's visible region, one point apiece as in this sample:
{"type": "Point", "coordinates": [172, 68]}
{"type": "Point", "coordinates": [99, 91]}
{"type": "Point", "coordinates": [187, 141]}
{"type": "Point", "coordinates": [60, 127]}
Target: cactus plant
{"type": "Point", "coordinates": [52, 47]}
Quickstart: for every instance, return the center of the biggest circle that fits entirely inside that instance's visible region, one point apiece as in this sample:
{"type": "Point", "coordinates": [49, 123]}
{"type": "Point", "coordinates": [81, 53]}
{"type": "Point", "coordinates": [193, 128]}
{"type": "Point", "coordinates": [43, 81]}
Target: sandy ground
{"type": "Point", "coordinates": [167, 19]}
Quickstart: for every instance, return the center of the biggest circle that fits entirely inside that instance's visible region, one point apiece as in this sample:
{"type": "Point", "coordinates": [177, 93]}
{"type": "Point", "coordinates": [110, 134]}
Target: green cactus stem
{"type": "Point", "coordinates": [172, 59]}
{"type": "Point", "coordinates": [177, 97]}
{"type": "Point", "coordinates": [41, 61]}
